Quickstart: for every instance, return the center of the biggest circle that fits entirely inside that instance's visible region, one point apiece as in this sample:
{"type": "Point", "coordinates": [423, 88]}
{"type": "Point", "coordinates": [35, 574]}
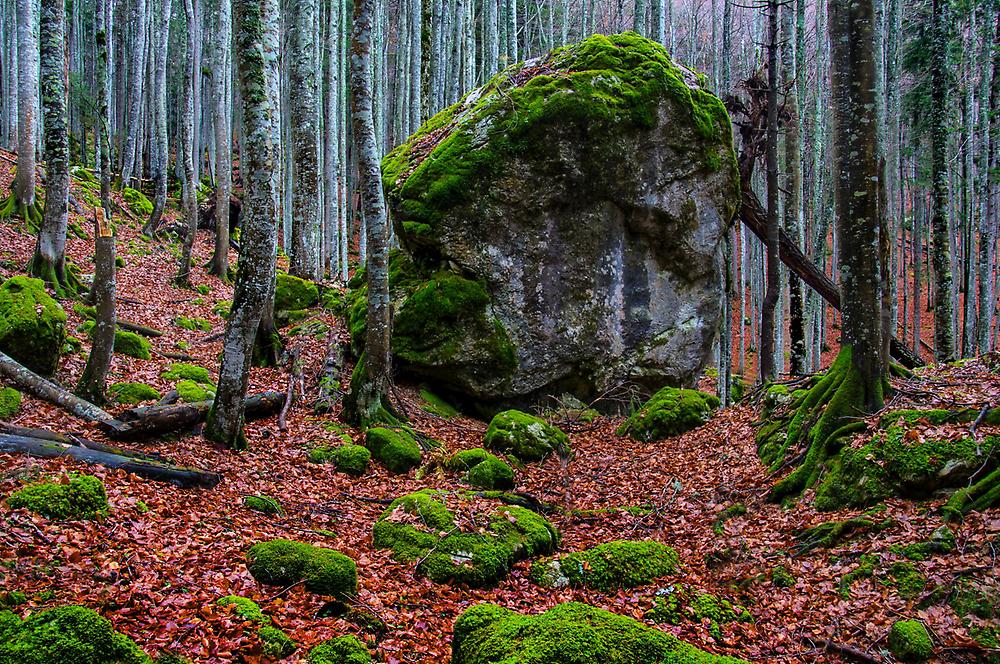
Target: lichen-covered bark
{"type": "Point", "coordinates": [137, 74]}
{"type": "Point", "coordinates": [21, 202]}
{"type": "Point", "coordinates": [160, 153]}
{"type": "Point", "coordinates": [303, 254]}
{"type": "Point", "coordinates": [189, 183]}
{"type": "Point", "coordinates": [103, 95]}
{"type": "Point", "coordinates": [219, 264]}
{"type": "Point", "coordinates": [49, 261]}
{"type": "Point", "coordinates": [255, 273]}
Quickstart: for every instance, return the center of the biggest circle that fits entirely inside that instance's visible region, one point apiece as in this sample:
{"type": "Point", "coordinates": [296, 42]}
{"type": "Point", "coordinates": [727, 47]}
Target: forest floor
{"type": "Point", "coordinates": [156, 564]}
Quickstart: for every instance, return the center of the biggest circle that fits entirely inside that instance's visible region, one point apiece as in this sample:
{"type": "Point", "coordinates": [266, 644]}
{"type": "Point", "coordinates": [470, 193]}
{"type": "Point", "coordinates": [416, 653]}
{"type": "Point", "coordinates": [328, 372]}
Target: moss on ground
{"type": "Point", "coordinates": [65, 634]}
{"type": "Point", "coordinates": [669, 412]}
{"type": "Point", "coordinates": [189, 391]}
{"type": "Point", "coordinates": [435, 405]}
{"type": "Point", "coordinates": [10, 402]}
{"type": "Point", "coordinates": [482, 469]}
{"type": "Point", "coordinates": [570, 633]}
{"type": "Point", "coordinates": [76, 497]}
{"type": "Point", "coordinates": [608, 566]}
{"type": "Point", "coordinates": [137, 202]}
{"type": "Point", "coordinates": [294, 294]}
{"type": "Point", "coordinates": [32, 325]}
{"type": "Point", "coordinates": [182, 371]}
{"type": "Point", "coordinates": [350, 459]}
{"type": "Point", "coordinates": [942, 541]}
{"type": "Point", "coordinates": [262, 504]}
{"type": "Point", "coordinates": [282, 562]}
{"type": "Point", "coordinates": [395, 448]}
{"type": "Point", "coordinates": [193, 324]}
{"type": "Point", "coordinates": [341, 650]}
{"type": "Point", "coordinates": [133, 345]}
{"type": "Point", "coordinates": [132, 393]}
{"type": "Point", "coordinates": [731, 512]}
{"type": "Point", "coordinates": [864, 570]}
{"type": "Point", "coordinates": [909, 641]}
{"type": "Point", "coordinates": [833, 533]}
{"type": "Point", "coordinates": [676, 604]}
{"type": "Point", "coordinates": [273, 641]}
{"type": "Point", "coordinates": [781, 577]}
{"type": "Point", "coordinates": [524, 436]}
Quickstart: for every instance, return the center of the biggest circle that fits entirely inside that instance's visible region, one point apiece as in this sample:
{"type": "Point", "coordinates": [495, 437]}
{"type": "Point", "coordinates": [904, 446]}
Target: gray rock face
{"type": "Point", "coordinates": [589, 193]}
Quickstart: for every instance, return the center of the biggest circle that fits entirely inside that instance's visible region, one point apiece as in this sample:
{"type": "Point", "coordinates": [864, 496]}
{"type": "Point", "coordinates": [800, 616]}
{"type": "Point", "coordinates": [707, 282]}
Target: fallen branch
{"type": "Point", "coordinates": [156, 420]}
{"type": "Point", "coordinates": [139, 329]}
{"type": "Point", "coordinates": [843, 649]}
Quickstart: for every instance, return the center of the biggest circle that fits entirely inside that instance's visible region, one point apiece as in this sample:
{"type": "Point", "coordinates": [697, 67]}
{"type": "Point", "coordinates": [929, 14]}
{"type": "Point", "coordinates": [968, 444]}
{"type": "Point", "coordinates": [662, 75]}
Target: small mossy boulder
{"type": "Point", "coordinates": [10, 402]}
{"type": "Point", "coordinates": [395, 448]}
{"type": "Point", "coordinates": [351, 459]}
{"type": "Point", "coordinates": [524, 436]}
{"type": "Point", "coordinates": [262, 504]}
{"type": "Point", "coordinates": [32, 325]}
{"type": "Point", "coordinates": [608, 566]}
{"type": "Point", "coordinates": [137, 202]}
{"type": "Point", "coordinates": [670, 412]}
{"type": "Point", "coordinates": [183, 371]}
{"type": "Point", "coordinates": [133, 345]}
{"type": "Point", "coordinates": [482, 469]}
{"type": "Point", "coordinates": [909, 641]}
{"type": "Point", "coordinates": [282, 562]}
{"type": "Point", "coordinates": [65, 634]}
{"type": "Point", "coordinates": [293, 294]}
{"type": "Point", "coordinates": [419, 527]}
{"type": "Point", "coordinates": [570, 633]}
{"type": "Point", "coordinates": [193, 324]}
{"type": "Point", "coordinates": [275, 643]}
{"type": "Point", "coordinates": [132, 393]}
{"type": "Point", "coordinates": [245, 608]}
{"type": "Point", "coordinates": [74, 497]}
{"type": "Point", "coordinates": [346, 649]}
{"type": "Point", "coordinates": [189, 391]}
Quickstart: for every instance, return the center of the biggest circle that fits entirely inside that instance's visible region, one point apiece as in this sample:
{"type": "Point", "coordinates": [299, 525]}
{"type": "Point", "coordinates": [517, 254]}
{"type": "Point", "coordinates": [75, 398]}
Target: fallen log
{"type": "Point", "coordinates": [46, 390]}
{"type": "Point", "coordinates": [156, 420]}
{"type": "Point", "coordinates": [79, 441]}
{"type": "Point", "coordinates": [148, 468]}
{"type": "Point", "coordinates": [139, 329]}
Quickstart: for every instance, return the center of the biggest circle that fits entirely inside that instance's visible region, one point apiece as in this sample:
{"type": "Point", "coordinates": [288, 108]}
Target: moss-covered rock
{"type": "Point", "coordinates": [909, 641]}
{"type": "Point", "coordinates": [282, 562]}
{"type": "Point", "coordinates": [32, 325]}
{"type": "Point", "coordinates": [193, 323]}
{"type": "Point", "coordinates": [570, 633]}
{"type": "Point", "coordinates": [77, 497]}
{"type": "Point", "coordinates": [482, 469]}
{"type": "Point", "coordinates": [245, 608]}
{"type": "Point", "coordinates": [262, 504]}
{"type": "Point", "coordinates": [942, 540]}
{"type": "Point", "coordinates": [670, 412]}
{"type": "Point", "coordinates": [675, 604]}
{"type": "Point", "coordinates": [65, 634]}
{"type": "Point", "coordinates": [524, 436]}
{"type": "Point", "coordinates": [137, 202]}
{"type": "Point", "coordinates": [189, 391]}
{"type": "Point", "coordinates": [275, 643]}
{"type": "Point", "coordinates": [132, 393]}
{"type": "Point", "coordinates": [183, 371]}
{"type": "Point", "coordinates": [419, 527]}
{"type": "Point", "coordinates": [133, 345]}
{"type": "Point", "coordinates": [901, 461]}
{"type": "Point", "coordinates": [351, 459]}
{"type": "Point", "coordinates": [292, 293]}
{"type": "Point", "coordinates": [608, 566]}
{"type": "Point", "coordinates": [395, 448]}
{"type": "Point", "coordinates": [341, 650]}
{"type": "Point", "coordinates": [10, 402]}
{"type": "Point", "coordinates": [908, 581]}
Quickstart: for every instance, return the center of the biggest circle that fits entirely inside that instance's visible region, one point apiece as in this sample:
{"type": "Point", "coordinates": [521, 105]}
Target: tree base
{"type": "Point", "coordinates": [31, 214]}
{"type": "Point", "coordinates": [983, 494]}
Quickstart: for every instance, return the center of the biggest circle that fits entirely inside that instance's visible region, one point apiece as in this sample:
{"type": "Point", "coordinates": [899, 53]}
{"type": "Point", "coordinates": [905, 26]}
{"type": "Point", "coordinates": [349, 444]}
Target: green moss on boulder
{"type": "Point", "coordinates": [292, 293]}
{"type": "Point", "coordinates": [10, 402]}
{"type": "Point", "coordinates": [909, 641]}
{"type": "Point", "coordinates": [262, 504]}
{"type": "Point", "coordinates": [351, 459]}
{"type": "Point", "coordinates": [395, 448]}
{"type": "Point", "coordinates": [193, 324]}
{"type": "Point", "coordinates": [32, 325]}
{"type": "Point", "coordinates": [275, 643]}
{"type": "Point", "coordinates": [608, 566]}
{"type": "Point", "coordinates": [482, 469]}
{"type": "Point", "coordinates": [132, 393]}
{"type": "Point", "coordinates": [65, 634]}
{"type": "Point", "coordinates": [182, 371]}
{"type": "Point", "coordinates": [137, 202]}
{"type": "Point", "coordinates": [189, 391]}
{"type": "Point", "coordinates": [346, 649]}
{"type": "Point", "coordinates": [670, 412]}
{"type": "Point", "coordinates": [282, 562]}
{"type": "Point", "coordinates": [79, 497]}
{"type": "Point", "coordinates": [247, 609]}
{"type": "Point", "coordinates": [570, 633]}
{"type": "Point", "coordinates": [524, 436]}
{"type": "Point", "coordinates": [133, 345]}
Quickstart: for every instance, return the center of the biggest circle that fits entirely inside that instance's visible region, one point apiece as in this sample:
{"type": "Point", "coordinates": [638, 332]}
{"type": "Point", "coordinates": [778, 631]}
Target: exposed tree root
{"type": "Point", "coordinates": [981, 495]}
{"type": "Point", "coordinates": [59, 276]}
{"type": "Point", "coordinates": [31, 214]}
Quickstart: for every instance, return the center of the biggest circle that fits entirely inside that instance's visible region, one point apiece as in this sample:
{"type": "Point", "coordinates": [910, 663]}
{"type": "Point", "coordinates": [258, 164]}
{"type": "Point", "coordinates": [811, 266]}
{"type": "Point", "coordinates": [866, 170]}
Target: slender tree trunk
{"type": "Point", "coordinates": [22, 202]}
{"type": "Point", "coordinates": [103, 81]}
{"type": "Point", "coordinates": [768, 369]}
{"type": "Point", "coordinates": [130, 153]}
{"type": "Point", "coordinates": [219, 264]}
{"type": "Point", "coordinates": [189, 184]}
{"type": "Point", "coordinates": [793, 187]}
{"type": "Point", "coordinates": [302, 101]}
{"type": "Point", "coordinates": [255, 273]}
{"type": "Point", "coordinates": [161, 155]}
{"type": "Point", "coordinates": [990, 192]}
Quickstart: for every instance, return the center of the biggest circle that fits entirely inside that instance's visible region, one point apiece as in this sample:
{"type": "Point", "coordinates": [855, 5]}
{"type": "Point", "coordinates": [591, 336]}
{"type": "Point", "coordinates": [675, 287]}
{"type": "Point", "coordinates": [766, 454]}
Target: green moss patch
{"type": "Point", "coordinates": [435, 405]}
{"type": "Point", "coordinates": [420, 527]}
{"type": "Point", "coordinates": [941, 541]}
{"type": "Point", "coordinates": [670, 412]}
{"type": "Point", "coordinates": [482, 469]}
{"type": "Point", "coordinates": [282, 562]}
{"type": "Point", "coordinates": [781, 577]}
{"type": "Point", "coordinates": [833, 533]}
{"type": "Point", "coordinates": [341, 650]}
{"type": "Point", "coordinates": [262, 504]}
{"type": "Point", "coordinates": [132, 393]}
{"type": "Point", "coordinates": [570, 633]}
{"type": "Point", "coordinates": [274, 642]}
{"type": "Point", "coordinates": [909, 641]}
{"type": "Point", "coordinates": [864, 570]}
{"type": "Point", "coordinates": [609, 566]}
{"type": "Point", "coordinates": [76, 497]}
{"type": "Point", "coordinates": [677, 604]}
{"type": "Point", "coordinates": [292, 293]}
{"type": "Point", "coordinates": [936, 416]}
{"type": "Point", "coordinates": [65, 634]}
{"type": "Point", "coordinates": [350, 459]}
{"type": "Point", "coordinates": [189, 391]}
{"type": "Point", "coordinates": [524, 436]}
{"type": "Point", "coordinates": [10, 402]}
{"type": "Point", "coordinates": [193, 324]}
{"type": "Point", "coordinates": [182, 371]}
{"type": "Point", "coordinates": [731, 512]}
{"type": "Point", "coordinates": [137, 202]}
{"type": "Point", "coordinates": [133, 345]}
{"type": "Point", "coordinates": [32, 325]}
{"type": "Point", "coordinates": [395, 448]}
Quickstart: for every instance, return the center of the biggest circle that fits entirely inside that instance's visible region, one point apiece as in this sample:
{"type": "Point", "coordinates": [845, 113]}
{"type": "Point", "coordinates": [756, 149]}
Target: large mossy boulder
{"type": "Point", "coordinates": [608, 566]}
{"type": "Point", "coordinates": [524, 436]}
{"type": "Point", "coordinates": [282, 562]}
{"type": "Point", "coordinates": [562, 227]}
{"type": "Point", "coordinates": [65, 634]}
{"type": "Point", "coordinates": [419, 527]}
{"type": "Point", "coordinates": [395, 448]}
{"type": "Point", "coordinates": [670, 412]}
{"type": "Point", "coordinates": [32, 325]}
{"type": "Point", "coordinates": [570, 633]}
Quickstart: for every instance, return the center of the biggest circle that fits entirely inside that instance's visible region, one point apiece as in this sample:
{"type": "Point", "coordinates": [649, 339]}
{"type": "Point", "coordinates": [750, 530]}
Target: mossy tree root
{"type": "Point", "coordinates": [983, 494]}
{"type": "Point", "coordinates": [56, 276]}
{"type": "Point", "coordinates": [825, 415]}
{"type": "Point", "coordinates": [31, 214]}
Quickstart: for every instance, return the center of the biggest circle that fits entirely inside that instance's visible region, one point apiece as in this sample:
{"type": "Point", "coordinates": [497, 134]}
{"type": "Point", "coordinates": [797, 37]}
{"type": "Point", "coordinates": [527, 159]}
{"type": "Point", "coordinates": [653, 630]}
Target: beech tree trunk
{"type": "Point", "coordinates": [219, 264]}
{"type": "Point", "coordinates": [23, 199]}
{"type": "Point", "coordinates": [766, 363]}
{"type": "Point", "coordinates": [189, 183]}
{"type": "Point", "coordinates": [302, 255]}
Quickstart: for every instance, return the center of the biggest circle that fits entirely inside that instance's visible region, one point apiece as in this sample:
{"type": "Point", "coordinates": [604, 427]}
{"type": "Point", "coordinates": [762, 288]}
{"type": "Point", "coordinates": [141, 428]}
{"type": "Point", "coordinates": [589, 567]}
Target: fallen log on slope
{"type": "Point", "coordinates": [160, 419]}
{"type": "Point", "coordinates": [79, 441]}
{"type": "Point", "coordinates": [46, 390]}
{"type": "Point", "coordinates": [149, 468]}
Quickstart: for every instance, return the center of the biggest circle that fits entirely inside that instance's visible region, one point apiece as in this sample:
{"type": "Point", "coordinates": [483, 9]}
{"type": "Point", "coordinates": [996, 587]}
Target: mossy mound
{"type": "Point", "coordinates": [608, 566]}
{"type": "Point", "coordinates": [133, 345]}
{"type": "Point", "coordinates": [32, 325]}
{"type": "Point", "coordinates": [482, 469]}
{"type": "Point", "coordinates": [911, 416]}
{"type": "Point", "coordinates": [670, 412]}
{"type": "Point", "coordinates": [570, 633]}
{"type": "Point", "coordinates": [293, 294]}
{"type": "Point", "coordinates": [78, 497]}
{"type": "Point", "coordinates": [909, 641]}
{"type": "Point", "coordinates": [341, 650]}
{"type": "Point", "coordinates": [262, 504]}
{"type": "Point", "coordinates": [781, 577]}
{"type": "Point", "coordinates": [282, 562]}
{"type": "Point", "coordinates": [10, 402]}
{"type": "Point", "coordinates": [182, 371]}
{"type": "Point", "coordinates": [65, 634]}
{"type": "Point", "coordinates": [941, 541]}
{"type": "Point", "coordinates": [524, 436]}
{"type": "Point", "coordinates": [395, 448]}
{"type": "Point", "coordinates": [273, 641]}
{"type": "Point", "coordinates": [132, 393]}
{"type": "Point", "coordinates": [189, 391]}
{"type": "Point", "coordinates": [276, 643]}
{"type": "Point", "coordinates": [350, 459]}
{"type": "Point", "coordinates": [420, 527]}
{"type": "Point", "coordinates": [900, 461]}
{"type": "Point", "coordinates": [137, 202]}
{"type": "Point", "coordinates": [193, 324]}
{"type": "Point", "coordinates": [676, 604]}
{"type": "Point", "coordinates": [245, 608]}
